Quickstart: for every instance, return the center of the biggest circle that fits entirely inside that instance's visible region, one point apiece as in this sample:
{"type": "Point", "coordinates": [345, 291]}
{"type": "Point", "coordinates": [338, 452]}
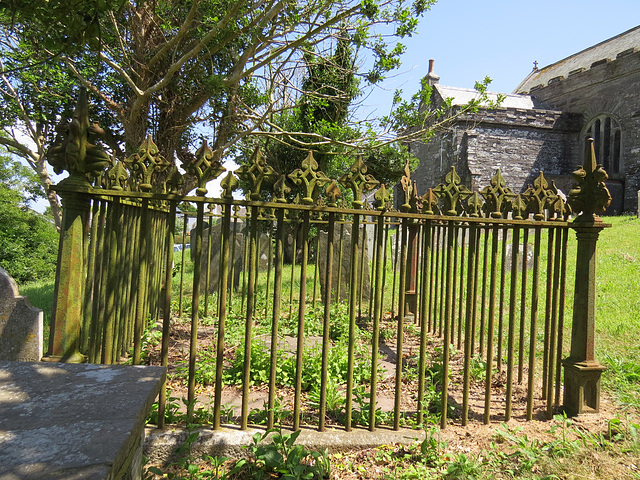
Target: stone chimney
{"type": "Point", "coordinates": [432, 78]}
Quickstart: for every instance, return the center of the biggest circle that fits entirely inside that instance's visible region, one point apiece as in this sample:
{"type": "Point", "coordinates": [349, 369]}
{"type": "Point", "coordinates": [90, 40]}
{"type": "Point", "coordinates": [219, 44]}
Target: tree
{"type": "Point", "coordinates": [28, 240]}
{"type": "Point", "coordinates": [166, 66]}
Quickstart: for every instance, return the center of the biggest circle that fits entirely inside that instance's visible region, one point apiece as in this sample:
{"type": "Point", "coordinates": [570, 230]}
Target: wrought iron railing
{"type": "Point", "coordinates": [483, 271]}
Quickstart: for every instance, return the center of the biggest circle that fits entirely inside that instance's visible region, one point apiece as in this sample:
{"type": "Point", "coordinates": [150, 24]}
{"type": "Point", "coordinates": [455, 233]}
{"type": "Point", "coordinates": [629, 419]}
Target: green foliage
{"type": "Point", "coordinates": [28, 240]}
{"type": "Point", "coordinates": [276, 454]}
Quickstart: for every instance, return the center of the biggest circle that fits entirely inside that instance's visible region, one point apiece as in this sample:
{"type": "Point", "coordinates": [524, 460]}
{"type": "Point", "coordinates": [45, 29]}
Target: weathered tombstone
{"type": "Point", "coordinates": [345, 264]}
{"type": "Point", "coordinates": [521, 248]}
{"type": "Point", "coordinates": [21, 325]}
{"type": "Point", "coordinates": [236, 262]}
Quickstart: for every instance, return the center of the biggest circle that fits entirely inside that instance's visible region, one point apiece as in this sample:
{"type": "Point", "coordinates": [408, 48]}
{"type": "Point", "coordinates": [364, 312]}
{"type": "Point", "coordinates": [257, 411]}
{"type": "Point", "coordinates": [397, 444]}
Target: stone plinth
{"type": "Point", "coordinates": [74, 421]}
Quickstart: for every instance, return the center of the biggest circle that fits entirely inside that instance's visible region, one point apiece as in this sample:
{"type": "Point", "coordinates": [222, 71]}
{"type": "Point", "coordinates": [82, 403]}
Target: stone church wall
{"type": "Point", "coordinates": [519, 142]}
{"type": "Point", "coordinates": [610, 87]}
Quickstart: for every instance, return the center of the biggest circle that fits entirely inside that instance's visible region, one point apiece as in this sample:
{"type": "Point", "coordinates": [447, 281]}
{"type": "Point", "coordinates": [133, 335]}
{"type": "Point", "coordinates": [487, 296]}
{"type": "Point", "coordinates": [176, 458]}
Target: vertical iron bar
{"type": "Point", "coordinates": [184, 252]}
{"type": "Point", "coordinates": [166, 317]}
{"type": "Point", "coordinates": [554, 322]}
{"type": "Point", "coordinates": [297, 401]}
{"type": "Point", "coordinates": [377, 308]}
{"type": "Point", "coordinates": [277, 294]}
{"type": "Point", "coordinates": [451, 233]}
{"type": "Point", "coordinates": [483, 303]}
{"type": "Point", "coordinates": [223, 275]}
{"type": "Point", "coordinates": [503, 277]}
{"type": "Point", "coordinates": [534, 319]}
{"type": "Point", "coordinates": [512, 319]}
{"type": "Point", "coordinates": [424, 320]}
{"type": "Point", "coordinates": [195, 301]}
{"type": "Point", "coordinates": [253, 264]}
{"type": "Point", "coordinates": [523, 304]}
{"type": "Point", "coordinates": [145, 236]}
{"type": "Point", "coordinates": [561, 307]}
{"type": "Point", "coordinates": [326, 321]}
{"type": "Point", "coordinates": [468, 329]}
{"type": "Point", "coordinates": [547, 314]}
{"type": "Point", "coordinates": [490, 323]}
{"type": "Point", "coordinates": [355, 255]}
{"type": "Point", "coordinates": [401, 313]}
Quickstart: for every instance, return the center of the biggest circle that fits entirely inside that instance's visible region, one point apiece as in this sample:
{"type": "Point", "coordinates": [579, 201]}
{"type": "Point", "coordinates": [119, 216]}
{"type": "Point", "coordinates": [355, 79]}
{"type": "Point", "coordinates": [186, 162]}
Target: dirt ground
{"type": "Point", "coordinates": [473, 438]}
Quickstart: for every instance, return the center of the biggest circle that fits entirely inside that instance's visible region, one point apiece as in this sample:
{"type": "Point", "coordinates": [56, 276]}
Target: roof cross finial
{"type": "Point", "coordinates": [535, 65]}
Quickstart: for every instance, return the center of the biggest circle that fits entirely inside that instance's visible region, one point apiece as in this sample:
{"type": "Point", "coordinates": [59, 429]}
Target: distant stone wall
{"type": "Point", "coordinates": [519, 142]}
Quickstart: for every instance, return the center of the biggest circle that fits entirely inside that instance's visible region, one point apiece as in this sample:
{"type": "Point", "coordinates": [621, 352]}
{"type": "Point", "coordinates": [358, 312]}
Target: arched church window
{"type": "Point", "coordinates": [605, 131]}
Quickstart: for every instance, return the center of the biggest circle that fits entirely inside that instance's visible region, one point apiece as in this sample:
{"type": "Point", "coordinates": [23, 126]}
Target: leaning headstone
{"type": "Point", "coordinates": [236, 255]}
{"type": "Point", "coordinates": [21, 325]}
{"type": "Point", "coordinates": [343, 235]}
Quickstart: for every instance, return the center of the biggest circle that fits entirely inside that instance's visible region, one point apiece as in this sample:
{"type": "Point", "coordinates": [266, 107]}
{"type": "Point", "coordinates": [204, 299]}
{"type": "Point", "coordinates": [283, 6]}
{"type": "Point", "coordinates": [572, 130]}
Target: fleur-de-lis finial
{"type": "Point", "coordinates": [475, 205]}
{"type": "Point", "coordinates": [429, 202]}
{"type": "Point", "coordinates": [382, 197]}
{"type": "Point", "coordinates": [539, 197]}
{"type": "Point", "coordinates": [590, 196]}
{"type": "Point", "coordinates": [204, 166]}
{"type": "Point", "coordinates": [310, 178]}
{"type": "Point", "coordinates": [333, 193]}
{"type": "Point", "coordinates": [117, 177]}
{"type": "Point", "coordinates": [73, 151]}
{"type": "Point", "coordinates": [407, 188]}
{"type": "Point", "coordinates": [281, 189]}
{"type": "Point", "coordinates": [452, 192]}
{"type": "Point", "coordinates": [256, 172]}
{"type": "Point", "coordinates": [228, 184]}
{"type": "Point", "coordinates": [497, 195]}
{"type": "Point", "coordinates": [358, 181]}
{"type": "Point", "coordinates": [146, 162]}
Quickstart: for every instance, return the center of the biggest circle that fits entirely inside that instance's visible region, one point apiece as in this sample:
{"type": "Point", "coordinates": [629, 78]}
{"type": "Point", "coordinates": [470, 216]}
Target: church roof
{"type": "Point", "coordinates": [618, 46]}
{"type": "Point", "coordinates": [462, 96]}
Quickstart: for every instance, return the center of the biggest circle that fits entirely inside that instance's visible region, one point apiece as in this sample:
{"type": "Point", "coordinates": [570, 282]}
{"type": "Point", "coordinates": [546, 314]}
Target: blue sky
{"type": "Point", "coordinates": [471, 39]}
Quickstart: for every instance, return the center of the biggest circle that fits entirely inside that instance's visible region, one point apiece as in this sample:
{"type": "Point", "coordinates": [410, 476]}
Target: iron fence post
{"type": "Point", "coordinates": [581, 369]}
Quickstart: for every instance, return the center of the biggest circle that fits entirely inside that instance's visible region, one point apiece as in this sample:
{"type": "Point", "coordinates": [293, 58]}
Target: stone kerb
{"type": "Point", "coordinates": [21, 324]}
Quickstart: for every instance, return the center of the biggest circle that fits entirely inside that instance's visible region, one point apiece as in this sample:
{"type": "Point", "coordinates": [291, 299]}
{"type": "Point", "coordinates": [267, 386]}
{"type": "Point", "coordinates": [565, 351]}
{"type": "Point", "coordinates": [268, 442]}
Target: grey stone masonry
{"type": "Point", "coordinates": [21, 325]}
{"type": "Point", "coordinates": [74, 421]}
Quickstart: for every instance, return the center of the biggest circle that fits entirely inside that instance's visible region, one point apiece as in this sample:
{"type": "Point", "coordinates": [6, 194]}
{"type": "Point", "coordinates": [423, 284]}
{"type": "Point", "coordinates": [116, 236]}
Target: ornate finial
{"type": "Point", "coordinates": [539, 197]}
{"type": "Point", "coordinates": [474, 205]}
{"type": "Point", "coordinates": [518, 207]}
{"type": "Point", "coordinates": [255, 172]}
{"type": "Point", "coordinates": [146, 162]}
{"type": "Point", "coordinates": [358, 181]}
{"type": "Point", "coordinates": [333, 193]}
{"type": "Point", "coordinates": [228, 184]}
{"type": "Point", "coordinates": [429, 202]}
{"type": "Point", "coordinates": [310, 178]}
{"type": "Point", "coordinates": [558, 205]}
{"type": "Point", "coordinates": [407, 188]}
{"type": "Point", "coordinates": [452, 192]}
{"type": "Point", "coordinates": [175, 180]}
{"type": "Point", "coordinates": [497, 195]}
{"type": "Point", "coordinates": [382, 197]}
{"type": "Point", "coordinates": [73, 151]}
{"type": "Point", "coordinates": [590, 196]}
{"type": "Point", "coordinates": [204, 166]}
{"type": "Point", "coordinates": [117, 177]}
{"type": "Point", "coordinates": [281, 189]}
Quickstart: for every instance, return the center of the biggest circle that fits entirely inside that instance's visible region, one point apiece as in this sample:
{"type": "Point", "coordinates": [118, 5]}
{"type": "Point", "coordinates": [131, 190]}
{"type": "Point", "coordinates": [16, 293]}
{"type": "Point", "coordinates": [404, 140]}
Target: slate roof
{"type": "Point", "coordinates": [462, 96]}
{"type": "Point", "coordinates": [615, 47]}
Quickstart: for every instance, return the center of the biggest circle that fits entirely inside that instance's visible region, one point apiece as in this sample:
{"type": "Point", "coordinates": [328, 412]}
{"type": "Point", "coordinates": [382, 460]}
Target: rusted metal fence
{"type": "Point", "coordinates": [483, 271]}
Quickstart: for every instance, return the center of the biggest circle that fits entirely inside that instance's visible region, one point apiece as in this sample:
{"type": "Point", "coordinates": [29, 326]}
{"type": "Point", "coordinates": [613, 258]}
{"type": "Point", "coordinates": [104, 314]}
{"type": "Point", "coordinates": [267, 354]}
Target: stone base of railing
{"type": "Point", "coordinates": [582, 386]}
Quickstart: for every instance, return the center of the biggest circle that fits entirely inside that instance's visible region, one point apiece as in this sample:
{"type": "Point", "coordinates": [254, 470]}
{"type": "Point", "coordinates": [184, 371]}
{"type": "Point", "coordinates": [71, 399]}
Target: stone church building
{"type": "Point", "coordinates": [544, 124]}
